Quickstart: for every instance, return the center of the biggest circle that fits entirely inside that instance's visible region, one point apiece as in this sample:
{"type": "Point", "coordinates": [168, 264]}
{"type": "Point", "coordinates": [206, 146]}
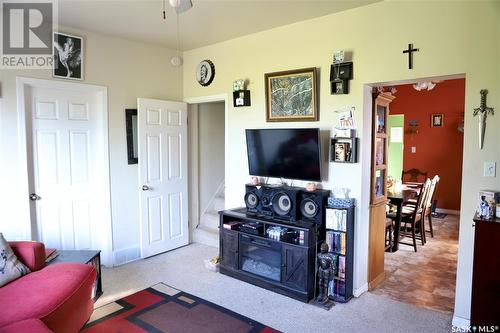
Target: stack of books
{"type": "Point", "coordinates": [336, 219]}
{"type": "Point", "coordinates": [336, 241]}
{"type": "Point", "coordinates": [336, 288]}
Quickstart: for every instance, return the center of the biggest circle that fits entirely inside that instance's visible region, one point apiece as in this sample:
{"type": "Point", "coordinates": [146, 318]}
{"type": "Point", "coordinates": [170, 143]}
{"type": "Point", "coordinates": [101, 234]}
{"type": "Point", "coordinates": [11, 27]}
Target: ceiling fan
{"type": "Point", "coordinates": [180, 6]}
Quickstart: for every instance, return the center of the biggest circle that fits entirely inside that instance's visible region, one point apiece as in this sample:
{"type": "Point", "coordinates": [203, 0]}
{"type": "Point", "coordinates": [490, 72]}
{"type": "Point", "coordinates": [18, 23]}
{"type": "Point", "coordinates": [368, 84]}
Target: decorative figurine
{"type": "Point", "coordinates": [485, 210]}
{"type": "Point", "coordinates": [326, 272]}
{"type": "Point", "coordinates": [311, 187]}
{"type": "Point", "coordinates": [254, 180]}
{"type": "Point", "coordinates": [483, 111]}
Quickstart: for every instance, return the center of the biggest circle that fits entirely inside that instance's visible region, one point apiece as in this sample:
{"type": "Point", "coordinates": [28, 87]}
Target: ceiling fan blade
{"type": "Point", "coordinates": [181, 6]}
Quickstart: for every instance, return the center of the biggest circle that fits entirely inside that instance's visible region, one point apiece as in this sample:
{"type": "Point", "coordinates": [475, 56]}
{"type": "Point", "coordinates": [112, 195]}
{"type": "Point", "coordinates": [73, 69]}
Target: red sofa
{"type": "Point", "coordinates": [55, 298]}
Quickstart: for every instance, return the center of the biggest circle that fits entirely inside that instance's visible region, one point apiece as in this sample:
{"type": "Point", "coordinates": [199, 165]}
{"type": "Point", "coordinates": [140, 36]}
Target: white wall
{"type": "Point", "coordinates": [129, 70]}
{"type": "Point", "coordinates": [211, 150]}
{"type": "Point", "coordinates": [459, 37]}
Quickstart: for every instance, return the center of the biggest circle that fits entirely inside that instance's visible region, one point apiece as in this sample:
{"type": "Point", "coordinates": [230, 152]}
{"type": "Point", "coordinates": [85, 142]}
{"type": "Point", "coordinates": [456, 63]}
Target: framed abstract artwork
{"type": "Point", "coordinates": [291, 95]}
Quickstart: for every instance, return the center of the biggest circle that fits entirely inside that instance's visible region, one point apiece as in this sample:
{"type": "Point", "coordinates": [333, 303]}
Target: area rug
{"type": "Point", "coordinates": [164, 309]}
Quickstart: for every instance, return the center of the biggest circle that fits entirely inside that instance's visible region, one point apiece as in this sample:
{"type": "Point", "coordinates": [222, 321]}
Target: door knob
{"type": "Point", "coordinates": [145, 187]}
{"type": "Point", "coordinates": [34, 197]}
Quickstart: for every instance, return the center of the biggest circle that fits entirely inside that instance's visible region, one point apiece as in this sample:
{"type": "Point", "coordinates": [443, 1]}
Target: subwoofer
{"type": "Point", "coordinates": [312, 206]}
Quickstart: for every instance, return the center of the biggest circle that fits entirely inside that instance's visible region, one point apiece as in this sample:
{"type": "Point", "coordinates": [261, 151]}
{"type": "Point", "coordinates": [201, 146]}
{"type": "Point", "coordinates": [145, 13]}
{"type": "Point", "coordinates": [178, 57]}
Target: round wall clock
{"type": "Point", "coordinates": [205, 72]}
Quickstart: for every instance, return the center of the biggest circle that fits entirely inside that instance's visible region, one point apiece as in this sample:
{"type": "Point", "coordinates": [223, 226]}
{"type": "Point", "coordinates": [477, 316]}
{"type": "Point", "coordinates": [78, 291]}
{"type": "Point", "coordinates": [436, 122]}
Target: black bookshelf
{"type": "Point", "coordinates": [341, 288]}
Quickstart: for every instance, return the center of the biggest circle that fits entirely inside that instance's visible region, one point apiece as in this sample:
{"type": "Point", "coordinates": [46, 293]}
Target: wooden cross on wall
{"type": "Point", "coordinates": [410, 51]}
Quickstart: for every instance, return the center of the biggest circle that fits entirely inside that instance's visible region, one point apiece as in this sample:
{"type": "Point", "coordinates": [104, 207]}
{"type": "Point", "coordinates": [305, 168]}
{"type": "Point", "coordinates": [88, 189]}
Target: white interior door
{"type": "Point", "coordinates": [68, 167]}
{"type": "Point", "coordinates": [162, 138]}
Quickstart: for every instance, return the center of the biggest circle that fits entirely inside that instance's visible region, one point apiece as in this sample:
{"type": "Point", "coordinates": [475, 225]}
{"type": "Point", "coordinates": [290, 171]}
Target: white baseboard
{"type": "Point", "coordinates": [126, 255]}
{"type": "Point", "coordinates": [447, 211]}
{"type": "Point", "coordinates": [460, 322]}
{"type": "Point", "coordinates": [361, 290]}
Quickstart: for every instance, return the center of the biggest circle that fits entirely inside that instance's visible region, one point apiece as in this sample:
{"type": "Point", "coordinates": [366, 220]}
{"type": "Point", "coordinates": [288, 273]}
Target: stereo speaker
{"type": "Point", "coordinates": [276, 202]}
{"type": "Point", "coordinates": [284, 203]}
{"type": "Point", "coordinates": [253, 199]}
{"type": "Point", "coordinates": [312, 206]}
{"type": "Point", "coordinates": [291, 204]}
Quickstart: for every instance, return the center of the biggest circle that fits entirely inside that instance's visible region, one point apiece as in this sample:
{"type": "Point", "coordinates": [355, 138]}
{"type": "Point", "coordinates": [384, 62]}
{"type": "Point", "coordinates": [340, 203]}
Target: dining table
{"type": "Point", "coordinates": [398, 197]}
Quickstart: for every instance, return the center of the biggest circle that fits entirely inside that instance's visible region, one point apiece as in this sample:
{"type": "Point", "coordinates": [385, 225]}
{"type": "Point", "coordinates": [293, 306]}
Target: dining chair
{"type": "Point", "coordinates": [412, 218]}
{"type": "Point", "coordinates": [413, 175]}
{"type": "Point", "coordinates": [389, 226]}
{"type": "Point", "coordinates": [428, 204]}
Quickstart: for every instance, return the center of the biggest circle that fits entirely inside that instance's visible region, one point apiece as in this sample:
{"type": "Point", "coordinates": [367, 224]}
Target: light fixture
{"type": "Point", "coordinates": [428, 85]}
{"type": "Point", "coordinates": [181, 6]}
{"type": "Point", "coordinates": [176, 60]}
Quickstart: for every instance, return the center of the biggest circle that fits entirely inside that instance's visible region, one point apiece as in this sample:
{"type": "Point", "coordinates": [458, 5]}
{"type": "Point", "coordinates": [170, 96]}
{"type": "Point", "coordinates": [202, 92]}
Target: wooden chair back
{"type": "Point", "coordinates": [422, 198]}
{"type": "Point", "coordinates": [431, 194]}
{"type": "Point", "coordinates": [413, 175]}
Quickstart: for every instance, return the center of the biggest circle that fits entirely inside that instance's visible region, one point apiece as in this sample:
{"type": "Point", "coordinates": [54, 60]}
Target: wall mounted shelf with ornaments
{"type": "Point", "coordinates": [241, 98]}
{"type": "Point", "coordinates": [340, 75]}
{"type": "Point", "coordinates": [344, 150]}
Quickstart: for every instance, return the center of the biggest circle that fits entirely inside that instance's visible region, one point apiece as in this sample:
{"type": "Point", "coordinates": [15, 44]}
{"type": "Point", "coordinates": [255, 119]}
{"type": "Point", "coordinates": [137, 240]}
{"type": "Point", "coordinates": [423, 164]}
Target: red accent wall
{"type": "Point", "coordinates": [439, 150]}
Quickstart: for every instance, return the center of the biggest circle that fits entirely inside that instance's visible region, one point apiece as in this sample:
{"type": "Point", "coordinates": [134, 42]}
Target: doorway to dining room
{"type": "Point", "coordinates": [417, 137]}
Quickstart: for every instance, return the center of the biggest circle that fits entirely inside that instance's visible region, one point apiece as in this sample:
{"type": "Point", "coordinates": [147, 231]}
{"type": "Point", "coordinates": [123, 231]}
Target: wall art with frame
{"type": "Point", "coordinates": [292, 95]}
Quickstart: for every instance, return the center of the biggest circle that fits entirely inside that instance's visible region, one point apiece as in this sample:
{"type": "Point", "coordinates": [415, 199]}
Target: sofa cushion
{"type": "Point", "coordinates": [30, 253]}
{"type": "Point", "coordinates": [57, 291]}
{"type": "Point", "coordinates": [10, 267]}
{"type": "Point", "coordinates": [28, 325]}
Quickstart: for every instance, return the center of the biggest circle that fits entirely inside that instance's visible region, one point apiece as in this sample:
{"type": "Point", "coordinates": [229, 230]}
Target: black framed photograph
{"type": "Point", "coordinates": [339, 87]}
{"type": "Point", "coordinates": [131, 129]}
{"type": "Point", "coordinates": [205, 72]}
{"type": "Point", "coordinates": [291, 95]}
{"type": "Point", "coordinates": [68, 56]}
{"type": "Point", "coordinates": [437, 120]}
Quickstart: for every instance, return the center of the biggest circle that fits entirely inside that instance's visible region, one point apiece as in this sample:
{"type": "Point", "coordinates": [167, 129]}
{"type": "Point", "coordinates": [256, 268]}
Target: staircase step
{"type": "Point", "coordinates": [210, 220]}
{"type": "Point", "coordinates": [219, 203]}
{"type": "Point", "coordinates": [206, 236]}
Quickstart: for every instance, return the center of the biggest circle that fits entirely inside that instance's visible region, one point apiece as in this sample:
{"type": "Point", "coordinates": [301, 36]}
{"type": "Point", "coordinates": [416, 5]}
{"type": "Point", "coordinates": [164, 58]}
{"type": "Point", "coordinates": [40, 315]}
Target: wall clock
{"type": "Point", "coordinates": [205, 72]}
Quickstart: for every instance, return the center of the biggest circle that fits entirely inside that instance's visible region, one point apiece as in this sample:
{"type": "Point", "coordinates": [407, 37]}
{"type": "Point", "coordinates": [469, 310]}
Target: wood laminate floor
{"type": "Point", "coordinates": [425, 278]}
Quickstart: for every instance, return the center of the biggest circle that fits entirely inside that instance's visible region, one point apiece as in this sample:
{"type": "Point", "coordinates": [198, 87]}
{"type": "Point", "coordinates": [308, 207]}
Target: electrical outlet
{"type": "Point", "coordinates": [413, 150]}
{"type": "Point", "coordinates": [490, 169]}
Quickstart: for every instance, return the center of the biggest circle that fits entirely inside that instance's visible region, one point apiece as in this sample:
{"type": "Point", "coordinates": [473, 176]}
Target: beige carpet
{"type": "Point", "coordinates": [184, 269]}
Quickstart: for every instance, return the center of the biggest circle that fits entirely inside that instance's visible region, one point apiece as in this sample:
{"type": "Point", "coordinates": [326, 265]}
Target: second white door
{"type": "Point", "coordinates": [162, 142]}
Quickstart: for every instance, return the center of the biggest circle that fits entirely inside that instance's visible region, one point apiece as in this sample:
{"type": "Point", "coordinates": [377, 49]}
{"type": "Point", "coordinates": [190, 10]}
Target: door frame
{"type": "Point", "coordinates": [193, 156]}
{"type": "Point", "coordinates": [366, 158]}
{"type": "Point", "coordinates": [22, 83]}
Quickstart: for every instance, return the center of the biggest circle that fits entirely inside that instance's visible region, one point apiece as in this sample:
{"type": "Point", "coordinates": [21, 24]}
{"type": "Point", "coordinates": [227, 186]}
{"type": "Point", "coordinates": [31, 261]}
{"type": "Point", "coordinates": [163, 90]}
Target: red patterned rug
{"type": "Point", "coordinates": [163, 309]}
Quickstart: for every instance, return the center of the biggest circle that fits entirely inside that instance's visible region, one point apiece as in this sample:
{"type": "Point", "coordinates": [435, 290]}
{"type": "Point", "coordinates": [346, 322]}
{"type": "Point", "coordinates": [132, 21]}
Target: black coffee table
{"type": "Point", "coordinates": [90, 257]}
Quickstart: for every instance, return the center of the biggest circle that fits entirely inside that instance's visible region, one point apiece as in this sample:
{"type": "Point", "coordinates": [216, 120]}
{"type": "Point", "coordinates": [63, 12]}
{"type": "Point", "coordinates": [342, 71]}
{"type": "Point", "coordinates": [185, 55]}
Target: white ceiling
{"type": "Point", "coordinates": [208, 22]}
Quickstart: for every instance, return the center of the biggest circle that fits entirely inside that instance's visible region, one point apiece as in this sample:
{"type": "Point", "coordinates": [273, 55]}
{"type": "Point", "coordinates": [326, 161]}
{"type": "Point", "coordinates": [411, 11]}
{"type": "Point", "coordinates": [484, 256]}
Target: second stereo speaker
{"type": "Point", "coordinates": [312, 206]}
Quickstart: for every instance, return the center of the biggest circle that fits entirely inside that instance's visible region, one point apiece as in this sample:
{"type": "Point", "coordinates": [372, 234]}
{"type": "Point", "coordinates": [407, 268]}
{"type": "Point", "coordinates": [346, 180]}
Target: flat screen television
{"type": "Point", "coordinates": [292, 153]}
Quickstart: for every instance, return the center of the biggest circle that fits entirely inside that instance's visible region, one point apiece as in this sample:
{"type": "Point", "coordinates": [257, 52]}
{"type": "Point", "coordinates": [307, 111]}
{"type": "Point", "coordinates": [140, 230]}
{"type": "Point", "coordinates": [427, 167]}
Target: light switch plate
{"type": "Point", "coordinates": [413, 150]}
{"type": "Point", "coordinates": [490, 169]}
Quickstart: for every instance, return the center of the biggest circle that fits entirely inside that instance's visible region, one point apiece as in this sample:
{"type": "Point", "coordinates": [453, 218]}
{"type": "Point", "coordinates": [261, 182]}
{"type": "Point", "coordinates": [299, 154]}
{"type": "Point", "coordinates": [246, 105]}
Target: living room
{"type": "Point", "coordinates": [130, 60]}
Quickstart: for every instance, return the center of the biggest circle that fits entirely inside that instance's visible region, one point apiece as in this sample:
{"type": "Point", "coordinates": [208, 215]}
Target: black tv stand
{"type": "Point", "coordinates": [276, 255]}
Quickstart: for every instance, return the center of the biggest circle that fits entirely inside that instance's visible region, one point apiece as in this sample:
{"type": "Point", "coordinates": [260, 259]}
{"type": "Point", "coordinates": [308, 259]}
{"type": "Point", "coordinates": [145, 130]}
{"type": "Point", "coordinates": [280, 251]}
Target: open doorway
{"type": "Point", "coordinates": [207, 155]}
{"type": "Point", "coordinates": [424, 132]}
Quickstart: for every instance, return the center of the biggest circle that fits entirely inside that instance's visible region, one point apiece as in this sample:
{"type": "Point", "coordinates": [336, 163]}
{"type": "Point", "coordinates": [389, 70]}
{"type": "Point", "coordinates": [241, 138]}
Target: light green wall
{"type": "Point", "coordinates": [395, 150]}
{"type": "Point", "coordinates": [454, 37]}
